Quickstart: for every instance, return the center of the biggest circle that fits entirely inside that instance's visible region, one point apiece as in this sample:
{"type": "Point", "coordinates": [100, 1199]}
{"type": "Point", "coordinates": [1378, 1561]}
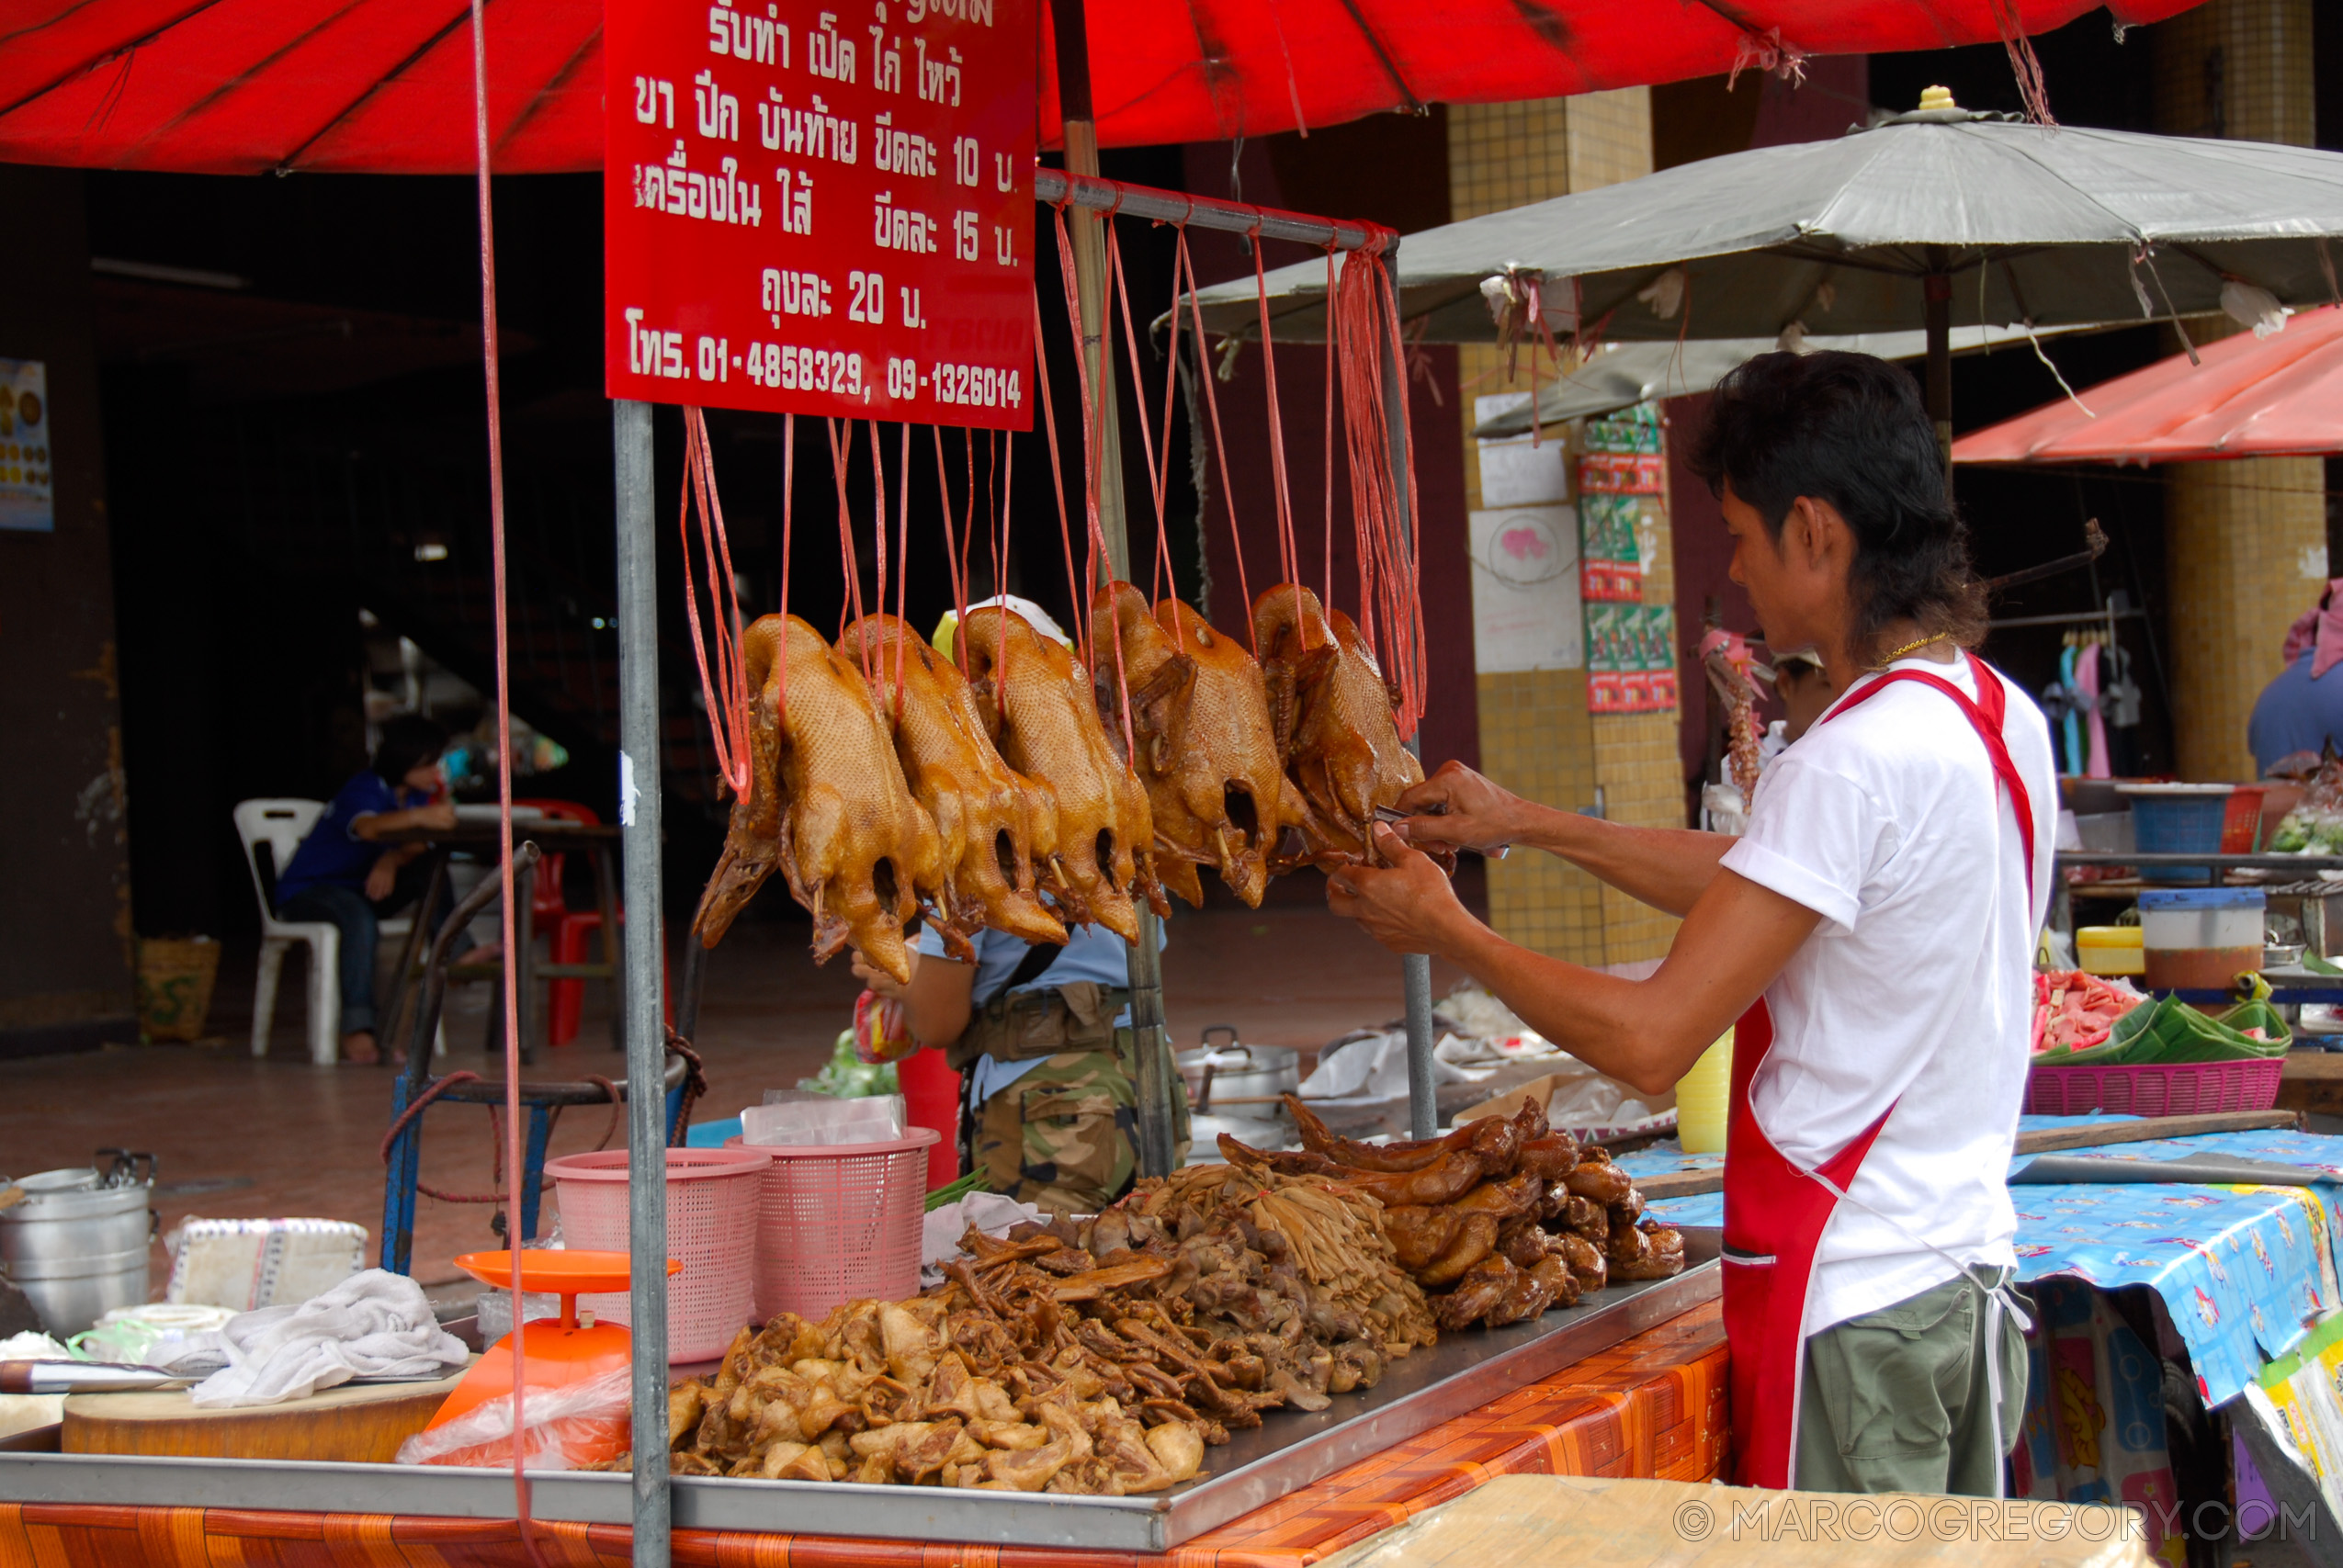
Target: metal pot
{"type": "Point", "coordinates": [76, 1245]}
{"type": "Point", "coordinates": [1250, 1077]}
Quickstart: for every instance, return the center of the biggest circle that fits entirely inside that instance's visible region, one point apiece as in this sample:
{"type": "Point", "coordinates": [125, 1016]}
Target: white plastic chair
{"type": "Point", "coordinates": [282, 825]}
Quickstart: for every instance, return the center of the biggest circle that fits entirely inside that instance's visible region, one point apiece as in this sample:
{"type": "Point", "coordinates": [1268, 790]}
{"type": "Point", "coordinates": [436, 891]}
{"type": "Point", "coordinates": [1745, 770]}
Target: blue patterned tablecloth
{"type": "Point", "coordinates": [2243, 1270]}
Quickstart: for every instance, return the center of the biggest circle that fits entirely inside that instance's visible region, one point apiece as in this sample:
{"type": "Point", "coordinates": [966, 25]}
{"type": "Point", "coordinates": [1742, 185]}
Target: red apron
{"type": "Point", "coordinates": [1775, 1212]}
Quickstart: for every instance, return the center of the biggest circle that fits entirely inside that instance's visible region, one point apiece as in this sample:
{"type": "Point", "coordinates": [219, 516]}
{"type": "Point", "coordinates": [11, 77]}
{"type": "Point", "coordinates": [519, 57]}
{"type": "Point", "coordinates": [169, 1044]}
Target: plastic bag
{"type": "Point", "coordinates": [880, 1033]}
{"type": "Point", "coordinates": [572, 1427]}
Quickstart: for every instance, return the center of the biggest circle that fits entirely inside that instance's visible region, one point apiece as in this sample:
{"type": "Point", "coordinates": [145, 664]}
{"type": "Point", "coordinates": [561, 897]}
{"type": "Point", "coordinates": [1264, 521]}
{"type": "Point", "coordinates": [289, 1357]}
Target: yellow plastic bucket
{"type": "Point", "coordinates": [1700, 1096]}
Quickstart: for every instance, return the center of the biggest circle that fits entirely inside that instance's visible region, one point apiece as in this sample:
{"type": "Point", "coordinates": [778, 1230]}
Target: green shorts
{"type": "Point", "coordinates": [1900, 1400]}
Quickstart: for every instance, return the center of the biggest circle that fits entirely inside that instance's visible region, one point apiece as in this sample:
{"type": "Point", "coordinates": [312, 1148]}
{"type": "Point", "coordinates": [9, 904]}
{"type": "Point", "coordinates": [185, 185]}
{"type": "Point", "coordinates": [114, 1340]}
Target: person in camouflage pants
{"type": "Point", "coordinates": [1064, 1136]}
{"type": "Point", "coordinates": [1041, 1036]}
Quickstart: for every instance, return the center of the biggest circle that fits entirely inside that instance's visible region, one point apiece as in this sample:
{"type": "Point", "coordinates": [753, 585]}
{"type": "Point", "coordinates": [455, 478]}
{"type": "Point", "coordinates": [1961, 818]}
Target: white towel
{"type": "Point", "coordinates": [371, 1324]}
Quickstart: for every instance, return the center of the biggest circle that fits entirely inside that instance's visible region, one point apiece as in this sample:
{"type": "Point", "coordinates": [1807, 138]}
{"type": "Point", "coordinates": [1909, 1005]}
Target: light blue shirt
{"type": "Point", "coordinates": [1091, 952]}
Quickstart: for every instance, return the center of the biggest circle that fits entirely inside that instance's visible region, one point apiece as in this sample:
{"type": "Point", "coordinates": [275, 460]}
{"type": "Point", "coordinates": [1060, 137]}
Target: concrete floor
{"type": "Point", "coordinates": [243, 1138]}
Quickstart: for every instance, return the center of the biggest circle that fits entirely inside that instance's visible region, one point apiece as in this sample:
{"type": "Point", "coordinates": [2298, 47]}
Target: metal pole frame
{"type": "Point", "coordinates": [1415, 968]}
{"type": "Point", "coordinates": [644, 936]}
{"type": "Point", "coordinates": [1111, 198]}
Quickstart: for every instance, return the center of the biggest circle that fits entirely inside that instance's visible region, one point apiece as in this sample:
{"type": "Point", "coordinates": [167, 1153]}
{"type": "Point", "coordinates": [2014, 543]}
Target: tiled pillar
{"type": "Point", "coordinates": [1536, 736]}
{"type": "Point", "coordinates": [2245, 540]}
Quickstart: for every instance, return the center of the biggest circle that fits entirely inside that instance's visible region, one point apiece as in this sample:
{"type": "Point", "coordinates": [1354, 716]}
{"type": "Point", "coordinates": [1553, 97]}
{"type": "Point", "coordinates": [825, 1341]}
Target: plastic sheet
{"type": "Point", "coordinates": [568, 1428]}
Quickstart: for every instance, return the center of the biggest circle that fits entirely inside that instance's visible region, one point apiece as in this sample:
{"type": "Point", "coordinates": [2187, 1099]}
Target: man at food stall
{"type": "Point", "coordinates": [1042, 1041]}
{"type": "Point", "coordinates": [1870, 933]}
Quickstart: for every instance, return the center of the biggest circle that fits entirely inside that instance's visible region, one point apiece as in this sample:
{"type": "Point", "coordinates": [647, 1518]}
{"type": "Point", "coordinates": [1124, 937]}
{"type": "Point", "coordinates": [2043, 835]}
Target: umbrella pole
{"type": "Point", "coordinates": [1937, 301]}
{"type": "Point", "coordinates": [1149, 1040]}
{"type": "Point", "coordinates": [639, 817]}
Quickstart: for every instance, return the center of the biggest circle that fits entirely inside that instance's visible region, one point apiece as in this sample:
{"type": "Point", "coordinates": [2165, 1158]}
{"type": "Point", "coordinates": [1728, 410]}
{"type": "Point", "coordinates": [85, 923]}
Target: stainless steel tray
{"type": "Point", "coordinates": [1287, 1450]}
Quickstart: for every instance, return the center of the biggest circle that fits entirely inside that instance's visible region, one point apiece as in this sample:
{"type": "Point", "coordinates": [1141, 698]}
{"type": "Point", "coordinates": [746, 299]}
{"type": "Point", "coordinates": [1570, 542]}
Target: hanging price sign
{"type": "Point", "coordinates": [821, 211]}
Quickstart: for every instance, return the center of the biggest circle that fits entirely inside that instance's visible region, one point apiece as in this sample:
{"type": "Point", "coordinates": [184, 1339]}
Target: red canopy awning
{"type": "Point", "coordinates": [2276, 397]}
{"type": "Point", "coordinates": [243, 87]}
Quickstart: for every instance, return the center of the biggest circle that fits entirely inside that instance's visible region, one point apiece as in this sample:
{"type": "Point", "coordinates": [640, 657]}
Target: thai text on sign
{"type": "Point", "coordinates": [825, 209]}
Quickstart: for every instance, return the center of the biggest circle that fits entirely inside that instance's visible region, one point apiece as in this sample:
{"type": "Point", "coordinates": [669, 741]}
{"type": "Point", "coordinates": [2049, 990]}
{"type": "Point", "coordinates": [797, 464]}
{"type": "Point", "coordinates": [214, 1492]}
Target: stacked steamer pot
{"type": "Point", "coordinates": [1234, 1088]}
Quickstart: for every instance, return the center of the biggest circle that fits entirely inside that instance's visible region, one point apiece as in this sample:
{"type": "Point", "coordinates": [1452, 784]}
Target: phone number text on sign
{"type": "Point", "coordinates": [822, 210]}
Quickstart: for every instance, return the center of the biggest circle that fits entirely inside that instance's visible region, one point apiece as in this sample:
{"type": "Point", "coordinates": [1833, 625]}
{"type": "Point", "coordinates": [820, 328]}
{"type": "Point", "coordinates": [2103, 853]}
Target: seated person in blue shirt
{"type": "Point", "coordinates": [340, 876]}
{"type": "Point", "coordinates": [2301, 710]}
{"type": "Point", "coordinates": [1042, 1038]}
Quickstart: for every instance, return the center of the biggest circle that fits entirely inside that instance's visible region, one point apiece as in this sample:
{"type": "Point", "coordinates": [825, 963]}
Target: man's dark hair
{"type": "Point", "coordinates": [408, 742]}
{"type": "Point", "coordinates": [1848, 429]}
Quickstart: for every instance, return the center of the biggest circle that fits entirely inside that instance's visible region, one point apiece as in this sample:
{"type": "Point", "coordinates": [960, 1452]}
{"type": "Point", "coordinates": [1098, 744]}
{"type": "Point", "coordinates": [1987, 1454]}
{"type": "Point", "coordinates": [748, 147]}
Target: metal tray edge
{"type": "Point", "coordinates": [1154, 1523]}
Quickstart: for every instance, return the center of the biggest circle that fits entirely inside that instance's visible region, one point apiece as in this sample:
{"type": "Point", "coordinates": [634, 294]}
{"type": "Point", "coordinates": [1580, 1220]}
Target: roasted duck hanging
{"type": "Point", "coordinates": [1038, 707]}
{"type": "Point", "coordinates": [995, 824]}
{"type": "Point", "coordinates": [1332, 714]}
{"type": "Point", "coordinates": [826, 806]}
{"type": "Point", "coordinates": [1200, 720]}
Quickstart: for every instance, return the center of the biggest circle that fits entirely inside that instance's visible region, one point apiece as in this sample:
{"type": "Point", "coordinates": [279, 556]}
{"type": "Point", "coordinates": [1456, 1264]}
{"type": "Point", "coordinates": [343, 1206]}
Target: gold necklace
{"type": "Point", "coordinates": [1908, 648]}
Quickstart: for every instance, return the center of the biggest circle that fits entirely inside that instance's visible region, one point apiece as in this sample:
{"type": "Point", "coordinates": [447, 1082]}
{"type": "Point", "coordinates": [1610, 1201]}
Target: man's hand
{"type": "Point", "coordinates": [1458, 808]}
{"type": "Point", "coordinates": [880, 981]}
{"type": "Point", "coordinates": [439, 816]}
{"type": "Point", "coordinates": [1409, 907]}
{"type": "Point", "coordinates": [381, 878]}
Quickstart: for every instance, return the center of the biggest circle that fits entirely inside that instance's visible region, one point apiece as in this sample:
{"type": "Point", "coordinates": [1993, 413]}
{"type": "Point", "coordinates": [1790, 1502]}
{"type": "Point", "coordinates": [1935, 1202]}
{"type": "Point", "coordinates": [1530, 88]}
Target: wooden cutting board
{"type": "Point", "coordinates": [356, 1423]}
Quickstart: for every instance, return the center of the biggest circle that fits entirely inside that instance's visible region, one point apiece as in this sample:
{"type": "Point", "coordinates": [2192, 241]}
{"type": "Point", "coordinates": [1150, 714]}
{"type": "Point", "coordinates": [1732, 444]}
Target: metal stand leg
{"type": "Point", "coordinates": [639, 815]}
{"type": "Point", "coordinates": [523, 953]}
{"type": "Point", "coordinates": [533, 1171]}
{"type": "Point", "coordinates": [1424, 1092]}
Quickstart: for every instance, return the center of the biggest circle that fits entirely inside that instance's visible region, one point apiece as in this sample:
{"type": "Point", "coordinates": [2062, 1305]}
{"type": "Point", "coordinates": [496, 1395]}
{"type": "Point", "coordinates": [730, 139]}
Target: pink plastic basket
{"type": "Point", "coordinates": [2175, 1089]}
{"type": "Point", "coordinates": [840, 1224]}
{"type": "Point", "coordinates": [712, 1219]}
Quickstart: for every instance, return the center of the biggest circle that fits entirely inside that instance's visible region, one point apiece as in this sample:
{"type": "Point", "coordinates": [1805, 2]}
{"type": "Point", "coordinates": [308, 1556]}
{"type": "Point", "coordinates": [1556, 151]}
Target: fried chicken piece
{"type": "Point", "coordinates": [685, 1464]}
{"type": "Point", "coordinates": [1444, 1180]}
{"type": "Point", "coordinates": [1037, 706]}
{"type": "Point", "coordinates": [826, 806]}
{"type": "Point", "coordinates": [687, 1404]}
{"type": "Point", "coordinates": [1199, 718]}
{"type": "Point", "coordinates": [1495, 1141]}
{"type": "Point", "coordinates": [992, 821]}
{"type": "Point", "coordinates": [1551, 1156]}
{"type": "Point", "coordinates": [1656, 1252]}
{"type": "Point", "coordinates": [1586, 1260]}
{"type": "Point", "coordinates": [1522, 1239]}
{"type": "Point", "coordinates": [1179, 1448]}
{"type": "Point", "coordinates": [1524, 1297]}
{"type": "Point", "coordinates": [794, 1462]}
{"type": "Point", "coordinates": [1024, 1469]}
{"type": "Point", "coordinates": [1561, 1285]}
{"type": "Point", "coordinates": [1008, 1434]}
{"type": "Point", "coordinates": [1332, 711]}
{"type": "Point", "coordinates": [1600, 1180]}
{"type": "Point", "coordinates": [1420, 1233]}
{"type": "Point", "coordinates": [1584, 1216]}
{"type": "Point", "coordinates": [1516, 1195]}
{"type": "Point", "coordinates": [1484, 1285]}
{"type": "Point", "coordinates": [1476, 1239]}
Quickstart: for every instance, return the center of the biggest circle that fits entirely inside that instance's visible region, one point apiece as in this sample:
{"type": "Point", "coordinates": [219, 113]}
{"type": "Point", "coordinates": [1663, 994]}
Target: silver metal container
{"type": "Point", "coordinates": [1237, 1085]}
{"type": "Point", "coordinates": [77, 1244]}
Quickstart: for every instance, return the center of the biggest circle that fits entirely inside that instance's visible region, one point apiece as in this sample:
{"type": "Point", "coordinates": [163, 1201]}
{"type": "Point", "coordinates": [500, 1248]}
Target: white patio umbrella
{"type": "Point", "coordinates": [1932, 219]}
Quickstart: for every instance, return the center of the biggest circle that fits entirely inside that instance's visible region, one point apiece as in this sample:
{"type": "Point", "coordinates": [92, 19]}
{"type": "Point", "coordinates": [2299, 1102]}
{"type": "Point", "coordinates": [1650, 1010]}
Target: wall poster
{"type": "Point", "coordinates": [28, 484]}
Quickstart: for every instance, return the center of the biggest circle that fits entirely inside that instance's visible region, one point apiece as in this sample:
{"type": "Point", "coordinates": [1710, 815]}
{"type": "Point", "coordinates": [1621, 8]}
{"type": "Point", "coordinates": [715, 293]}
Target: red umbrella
{"type": "Point", "coordinates": [2276, 397]}
{"type": "Point", "coordinates": [243, 87]}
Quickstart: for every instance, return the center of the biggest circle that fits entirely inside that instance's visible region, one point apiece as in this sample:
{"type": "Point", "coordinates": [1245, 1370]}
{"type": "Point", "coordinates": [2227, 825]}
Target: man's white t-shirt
{"type": "Point", "coordinates": [1917, 990]}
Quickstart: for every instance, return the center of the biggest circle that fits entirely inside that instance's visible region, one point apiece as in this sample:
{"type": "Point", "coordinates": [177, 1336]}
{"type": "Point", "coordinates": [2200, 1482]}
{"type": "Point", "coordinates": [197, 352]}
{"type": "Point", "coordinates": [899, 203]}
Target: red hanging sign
{"type": "Point", "coordinates": [821, 211]}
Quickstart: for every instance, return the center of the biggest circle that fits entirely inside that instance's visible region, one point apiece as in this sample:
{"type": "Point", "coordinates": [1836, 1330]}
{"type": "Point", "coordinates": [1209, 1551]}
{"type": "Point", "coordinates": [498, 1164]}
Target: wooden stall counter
{"type": "Point", "coordinates": [1651, 1407]}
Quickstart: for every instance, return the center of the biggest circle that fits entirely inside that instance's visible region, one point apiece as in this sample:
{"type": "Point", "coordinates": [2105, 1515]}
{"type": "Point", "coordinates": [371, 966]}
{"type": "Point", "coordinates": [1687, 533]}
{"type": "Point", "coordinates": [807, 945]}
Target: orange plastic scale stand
{"type": "Point", "coordinates": [561, 1351]}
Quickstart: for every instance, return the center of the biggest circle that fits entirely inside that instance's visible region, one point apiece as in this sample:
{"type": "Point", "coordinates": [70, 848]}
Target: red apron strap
{"type": "Point", "coordinates": [1986, 713]}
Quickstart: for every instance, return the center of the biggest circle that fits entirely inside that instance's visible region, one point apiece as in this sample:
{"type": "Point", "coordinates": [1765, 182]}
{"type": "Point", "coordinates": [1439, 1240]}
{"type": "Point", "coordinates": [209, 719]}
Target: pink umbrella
{"type": "Point", "coordinates": [2276, 397]}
